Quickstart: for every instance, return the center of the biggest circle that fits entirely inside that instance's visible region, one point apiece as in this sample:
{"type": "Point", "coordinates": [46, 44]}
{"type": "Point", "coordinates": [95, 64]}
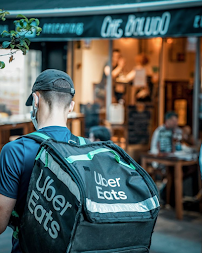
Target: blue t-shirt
{"type": "Point", "coordinates": [16, 164]}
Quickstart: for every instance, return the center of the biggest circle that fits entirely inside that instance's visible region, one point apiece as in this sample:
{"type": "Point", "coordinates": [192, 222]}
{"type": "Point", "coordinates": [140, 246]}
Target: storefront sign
{"type": "Point", "coordinates": [177, 22]}
{"type": "Point", "coordinates": [136, 26]}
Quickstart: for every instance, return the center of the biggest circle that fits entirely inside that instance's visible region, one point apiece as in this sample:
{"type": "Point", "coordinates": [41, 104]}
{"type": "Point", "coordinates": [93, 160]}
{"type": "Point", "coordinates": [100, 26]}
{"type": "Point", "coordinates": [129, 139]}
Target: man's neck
{"type": "Point", "coordinates": [58, 119]}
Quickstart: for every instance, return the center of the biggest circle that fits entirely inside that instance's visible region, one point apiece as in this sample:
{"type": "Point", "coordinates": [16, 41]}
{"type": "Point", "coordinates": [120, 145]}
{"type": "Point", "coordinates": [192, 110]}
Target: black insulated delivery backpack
{"type": "Point", "coordinates": [90, 198]}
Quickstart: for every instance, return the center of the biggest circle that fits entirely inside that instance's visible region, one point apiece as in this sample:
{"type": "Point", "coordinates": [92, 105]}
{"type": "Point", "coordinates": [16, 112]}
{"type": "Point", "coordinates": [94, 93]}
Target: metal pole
{"type": "Point", "coordinates": [196, 92]}
{"type": "Point", "coordinates": [72, 60]}
{"type": "Point", "coordinates": [109, 82]}
{"type": "Point", "coordinates": [161, 102]}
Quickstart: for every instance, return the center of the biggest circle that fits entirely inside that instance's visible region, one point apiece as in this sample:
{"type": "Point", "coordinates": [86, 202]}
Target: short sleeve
{"type": "Point", "coordinates": [11, 167]}
{"type": "Point", "coordinates": [154, 142]}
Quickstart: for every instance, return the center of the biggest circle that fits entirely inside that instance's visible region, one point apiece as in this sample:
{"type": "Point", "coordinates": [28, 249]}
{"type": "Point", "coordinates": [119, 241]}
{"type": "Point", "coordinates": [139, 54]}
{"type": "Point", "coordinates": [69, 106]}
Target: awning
{"type": "Point", "coordinates": [167, 23]}
{"type": "Point", "coordinates": [51, 8]}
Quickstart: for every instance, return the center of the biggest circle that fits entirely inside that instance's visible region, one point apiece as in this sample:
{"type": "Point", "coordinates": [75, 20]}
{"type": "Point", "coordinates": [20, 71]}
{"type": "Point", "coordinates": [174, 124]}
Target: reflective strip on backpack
{"type": "Point", "coordinates": [60, 174]}
{"type": "Point", "coordinates": [141, 207]}
{"type": "Point", "coordinates": [89, 156]}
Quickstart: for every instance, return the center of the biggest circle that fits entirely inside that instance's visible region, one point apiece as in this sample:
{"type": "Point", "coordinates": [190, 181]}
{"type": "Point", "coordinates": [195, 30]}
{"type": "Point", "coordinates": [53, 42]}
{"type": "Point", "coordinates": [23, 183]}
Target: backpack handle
{"type": "Point", "coordinates": [101, 150]}
{"type": "Point", "coordinates": [89, 156]}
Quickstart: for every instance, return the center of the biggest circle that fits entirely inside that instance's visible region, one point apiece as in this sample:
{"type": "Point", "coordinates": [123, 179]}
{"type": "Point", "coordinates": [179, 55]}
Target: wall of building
{"type": "Point", "coordinates": [93, 63]}
{"type": "Point", "coordinates": [88, 68]}
{"type": "Point", "coordinates": [175, 69]}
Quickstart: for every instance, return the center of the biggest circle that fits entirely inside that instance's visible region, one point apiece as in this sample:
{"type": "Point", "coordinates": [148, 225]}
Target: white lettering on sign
{"type": "Point", "coordinates": [111, 28]}
{"type": "Point", "coordinates": [103, 182]}
{"type": "Point", "coordinates": [59, 203]}
{"type": "Point", "coordinates": [147, 26]}
{"type": "Point", "coordinates": [197, 21]}
{"type": "Point", "coordinates": [58, 28]}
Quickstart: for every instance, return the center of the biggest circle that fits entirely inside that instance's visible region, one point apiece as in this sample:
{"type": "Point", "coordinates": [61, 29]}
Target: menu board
{"type": "Point", "coordinates": [165, 141]}
{"type": "Point", "coordinates": [139, 122]}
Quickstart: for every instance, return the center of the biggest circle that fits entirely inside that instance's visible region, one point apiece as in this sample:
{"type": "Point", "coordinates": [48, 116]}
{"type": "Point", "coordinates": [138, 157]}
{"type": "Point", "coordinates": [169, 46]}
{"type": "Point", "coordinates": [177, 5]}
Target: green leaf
{"type": "Point", "coordinates": [13, 33]}
{"type": "Point", "coordinates": [16, 22]}
{"type": "Point", "coordinates": [2, 65]}
{"type": "Point", "coordinates": [37, 21]}
{"type": "Point", "coordinates": [27, 41]}
{"type": "Point", "coordinates": [5, 33]}
{"type": "Point", "coordinates": [26, 46]}
{"type": "Point", "coordinates": [18, 29]}
{"type": "Point", "coordinates": [21, 48]}
{"type": "Point", "coordinates": [12, 46]}
{"type": "Point", "coordinates": [22, 42]}
{"type": "Point", "coordinates": [22, 16]}
{"type": "Point", "coordinates": [22, 22]}
{"type": "Point", "coordinates": [6, 44]}
{"type": "Point", "coordinates": [31, 20]}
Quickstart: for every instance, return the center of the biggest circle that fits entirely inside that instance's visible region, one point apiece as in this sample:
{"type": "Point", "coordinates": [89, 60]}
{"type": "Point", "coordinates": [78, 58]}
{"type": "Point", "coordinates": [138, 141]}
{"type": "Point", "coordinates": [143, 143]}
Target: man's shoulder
{"type": "Point", "coordinates": [158, 129]}
{"type": "Point", "coordinates": [16, 146]}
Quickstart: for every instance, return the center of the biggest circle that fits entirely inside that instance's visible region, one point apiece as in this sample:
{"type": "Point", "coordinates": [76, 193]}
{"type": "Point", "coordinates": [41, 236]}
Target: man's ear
{"type": "Point", "coordinates": [71, 106]}
{"type": "Point", "coordinates": [35, 99]}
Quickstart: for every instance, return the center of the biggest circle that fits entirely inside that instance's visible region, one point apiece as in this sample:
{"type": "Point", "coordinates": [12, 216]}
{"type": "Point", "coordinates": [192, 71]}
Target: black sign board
{"type": "Point", "coordinates": [139, 122]}
{"type": "Point", "coordinates": [167, 23]}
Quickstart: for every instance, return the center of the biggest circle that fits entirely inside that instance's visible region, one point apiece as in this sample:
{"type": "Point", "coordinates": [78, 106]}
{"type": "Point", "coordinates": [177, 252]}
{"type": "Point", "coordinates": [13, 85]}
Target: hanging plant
{"type": "Point", "coordinates": [16, 39]}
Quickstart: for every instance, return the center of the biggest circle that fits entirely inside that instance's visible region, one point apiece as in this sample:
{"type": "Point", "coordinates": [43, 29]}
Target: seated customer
{"type": "Point", "coordinates": [187, 137]}
{"type": "Point", "coordinates": [171, 123]}
{"type": "Point", "coordinates": [99, 133]}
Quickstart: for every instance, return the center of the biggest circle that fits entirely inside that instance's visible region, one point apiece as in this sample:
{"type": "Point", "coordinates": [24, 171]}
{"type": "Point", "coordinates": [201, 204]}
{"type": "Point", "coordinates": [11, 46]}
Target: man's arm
{"type": "Point", "coordinates": [117, 70]}
{"type": "Point", "coordinates": [6, 208]}
{"type": "Point", "coordinates": [154, 142]}
{"type": "Point", "coordinates": [11, 165]}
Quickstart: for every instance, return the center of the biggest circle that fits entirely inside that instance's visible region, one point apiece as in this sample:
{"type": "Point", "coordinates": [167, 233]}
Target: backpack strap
{"type": "Point", "coordinates": [37, 136]}
{"type": "Point", "coordinates": [40, 137]}
{"type": "Point", "coordinates": [81, 140]}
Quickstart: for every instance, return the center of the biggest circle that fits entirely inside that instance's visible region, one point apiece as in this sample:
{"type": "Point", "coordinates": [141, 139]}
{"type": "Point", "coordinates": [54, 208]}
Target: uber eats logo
{"type": "Point", "coordinates": [44, 217]}
{"type": "Point", "coordinates": [103, 183]}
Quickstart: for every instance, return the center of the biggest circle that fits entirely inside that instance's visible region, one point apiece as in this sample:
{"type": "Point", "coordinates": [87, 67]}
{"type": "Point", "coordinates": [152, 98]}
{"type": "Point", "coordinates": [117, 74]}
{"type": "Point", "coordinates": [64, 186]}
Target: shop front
{"type": "Point", "coordinates": [168, 38]}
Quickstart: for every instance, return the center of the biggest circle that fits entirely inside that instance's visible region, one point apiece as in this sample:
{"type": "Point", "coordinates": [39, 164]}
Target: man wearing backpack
{"type": "Point", "coordinates": [51, 99]}
{"type": "Point", "coordinates": [82, 196]}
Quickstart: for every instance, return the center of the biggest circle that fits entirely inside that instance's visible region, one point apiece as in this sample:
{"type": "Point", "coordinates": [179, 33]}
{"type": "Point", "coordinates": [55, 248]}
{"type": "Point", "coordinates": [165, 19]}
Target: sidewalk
{"type": "Point", "coordinates": [175, 236]}
{"type": "Point", "coordinates": [170, 235]}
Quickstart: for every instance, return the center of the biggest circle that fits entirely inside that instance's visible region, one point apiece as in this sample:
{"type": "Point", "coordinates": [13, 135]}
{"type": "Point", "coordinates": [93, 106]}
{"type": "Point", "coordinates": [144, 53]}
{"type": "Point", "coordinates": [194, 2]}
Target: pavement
{"type": "Point", "coordinates": [170, 235]}
{"type": "Point", "coordinates": [177, 236]}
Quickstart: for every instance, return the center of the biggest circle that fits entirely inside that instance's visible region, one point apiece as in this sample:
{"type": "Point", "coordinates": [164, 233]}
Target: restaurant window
{"type": "Point", "coordinates": [132, 91]}
{"type": "Point", "coordinates": [16, 81]}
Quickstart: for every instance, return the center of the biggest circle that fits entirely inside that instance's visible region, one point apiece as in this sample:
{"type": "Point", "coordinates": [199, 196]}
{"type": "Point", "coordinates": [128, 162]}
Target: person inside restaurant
{"type": "Point", "coordinates": [141, 76]}
{"type": "Point", "coordinates": [166, 132]}
{"type": "Point", "coordinates": [187, 137]}
{"type": "Point", "coordinates": [99, 133]}
{"type": "Point", "coordinates": [118, 63]}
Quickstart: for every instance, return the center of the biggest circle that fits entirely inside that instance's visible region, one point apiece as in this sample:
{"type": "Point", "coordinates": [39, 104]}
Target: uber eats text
{"type": "Point", "coordinates": [103, 183]}
{"type": "Point", "coordinates": [44, 217]}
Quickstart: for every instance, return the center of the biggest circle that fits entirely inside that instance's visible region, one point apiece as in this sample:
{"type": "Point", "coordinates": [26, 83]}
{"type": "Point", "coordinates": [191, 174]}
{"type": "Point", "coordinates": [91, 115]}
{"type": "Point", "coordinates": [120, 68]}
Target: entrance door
{"type": "Point", "coordinates": [54, 54]}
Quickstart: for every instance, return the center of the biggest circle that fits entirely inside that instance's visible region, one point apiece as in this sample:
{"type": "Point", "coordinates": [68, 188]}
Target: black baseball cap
{"type": "Point", "coordinates": [45, 81]}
